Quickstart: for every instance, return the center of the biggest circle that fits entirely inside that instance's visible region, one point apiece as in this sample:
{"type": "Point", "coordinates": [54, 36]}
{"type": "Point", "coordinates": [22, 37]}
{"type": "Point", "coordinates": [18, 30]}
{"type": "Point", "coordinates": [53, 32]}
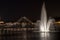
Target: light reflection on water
{"type": "Point", "coordinates": [50, 36]}
{"type": "Point", "coordinates": [45, 35]}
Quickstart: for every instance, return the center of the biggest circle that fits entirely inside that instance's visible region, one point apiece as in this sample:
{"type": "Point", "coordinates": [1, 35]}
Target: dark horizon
{"type": "Point", "coordinates": [15, 9]}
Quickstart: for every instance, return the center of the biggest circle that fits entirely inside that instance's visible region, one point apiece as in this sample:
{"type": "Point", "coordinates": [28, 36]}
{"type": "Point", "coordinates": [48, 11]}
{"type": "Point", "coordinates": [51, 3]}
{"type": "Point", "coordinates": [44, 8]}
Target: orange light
{"type": "Point", "coordinates": [1, 22]}
{"type": "Point", "coordinates": [58, 22]}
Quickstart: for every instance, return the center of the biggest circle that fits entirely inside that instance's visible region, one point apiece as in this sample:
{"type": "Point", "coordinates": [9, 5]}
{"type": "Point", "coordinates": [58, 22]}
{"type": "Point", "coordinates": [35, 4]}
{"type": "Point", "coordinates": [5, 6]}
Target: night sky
{"type": "Point", "coordinates": [14, 9]}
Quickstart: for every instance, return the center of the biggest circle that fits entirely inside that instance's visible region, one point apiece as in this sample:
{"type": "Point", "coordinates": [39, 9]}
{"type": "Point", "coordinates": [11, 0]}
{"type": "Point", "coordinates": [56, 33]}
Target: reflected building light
{"type": "Point", "coordinates": [1, 22]}
{"type": "Point", "coordinates": [15, 23]}
{"type": "Point", "coordinates": [9, 24]}
{"type": "Point", "coordinates": [37, 23]}
{"type": "Point", "coordinates": [23, 24]}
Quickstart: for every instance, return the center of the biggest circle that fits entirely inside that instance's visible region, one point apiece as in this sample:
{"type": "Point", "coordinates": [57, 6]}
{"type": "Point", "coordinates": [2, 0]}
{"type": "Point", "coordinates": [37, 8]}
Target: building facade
{"type": "Point", "coordinates": [23, 29]}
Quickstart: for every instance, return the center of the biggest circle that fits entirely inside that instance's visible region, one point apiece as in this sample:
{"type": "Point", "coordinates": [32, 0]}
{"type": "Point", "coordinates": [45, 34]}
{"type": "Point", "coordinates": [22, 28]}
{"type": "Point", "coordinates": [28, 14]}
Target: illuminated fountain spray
{"type": "Point", "coordinates": [44, 23]}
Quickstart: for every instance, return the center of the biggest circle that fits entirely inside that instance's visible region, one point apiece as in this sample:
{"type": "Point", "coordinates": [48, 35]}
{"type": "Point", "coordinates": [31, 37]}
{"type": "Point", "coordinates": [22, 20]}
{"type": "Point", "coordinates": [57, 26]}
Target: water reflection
{"type": "Point", "coordinates": [50, 36]}
{"type": "Point", "coordinates": [45, 35]}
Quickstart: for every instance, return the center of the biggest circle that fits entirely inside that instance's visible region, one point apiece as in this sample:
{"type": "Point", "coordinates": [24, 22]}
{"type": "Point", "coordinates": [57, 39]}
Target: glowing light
{"type": "Point", "coordinates": [1, 22]}
{"type": "Point", "coordinates": [42, 29]}
{"type": "Point", "coordinates": [57, 22]}
{"type": "Point", "coordinates": [44, 23]}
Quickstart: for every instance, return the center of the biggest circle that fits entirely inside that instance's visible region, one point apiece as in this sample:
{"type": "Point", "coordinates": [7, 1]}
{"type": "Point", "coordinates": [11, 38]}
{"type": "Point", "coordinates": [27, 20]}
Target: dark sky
{"type": "Point", "coordinates": [13, 9]}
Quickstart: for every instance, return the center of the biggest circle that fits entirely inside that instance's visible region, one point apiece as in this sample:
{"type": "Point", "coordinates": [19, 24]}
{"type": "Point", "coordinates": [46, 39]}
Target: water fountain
{"type": "Point", "coordinates": [45, 24]}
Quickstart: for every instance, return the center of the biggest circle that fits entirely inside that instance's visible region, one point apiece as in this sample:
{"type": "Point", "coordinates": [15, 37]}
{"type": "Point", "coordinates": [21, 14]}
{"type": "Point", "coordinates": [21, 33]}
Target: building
{"type": "Point", "coordinates": [23, 29]}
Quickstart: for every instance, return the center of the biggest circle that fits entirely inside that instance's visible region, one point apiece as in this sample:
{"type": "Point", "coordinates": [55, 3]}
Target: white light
{"type": "Point", "coordinates": [44, 26]}
{"type": "Point", "coordinates": [42, 29]}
